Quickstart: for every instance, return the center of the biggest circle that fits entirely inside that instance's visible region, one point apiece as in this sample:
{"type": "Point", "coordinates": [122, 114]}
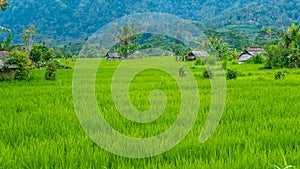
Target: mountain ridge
{"type": "Point", "coordinates": [77, 19]}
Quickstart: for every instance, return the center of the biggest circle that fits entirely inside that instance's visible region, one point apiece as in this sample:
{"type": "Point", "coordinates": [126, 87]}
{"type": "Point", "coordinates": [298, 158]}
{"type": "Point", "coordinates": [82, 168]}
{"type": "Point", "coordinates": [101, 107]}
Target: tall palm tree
{"type": "Point", "coordinates": [126, 34]}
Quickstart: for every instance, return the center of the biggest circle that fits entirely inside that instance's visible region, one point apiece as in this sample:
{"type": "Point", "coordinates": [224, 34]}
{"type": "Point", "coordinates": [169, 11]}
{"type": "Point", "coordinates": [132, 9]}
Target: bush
{"type": "Point", "coordinates": [20, 62]}
{"type": "Point", "coordinates": [234, 62]}
{"type": "Point", "coordinates": [210, 60]}
{"type": "Point", "coordinates": [224, 63]}
{"type": "Point", "coordinates": [37, 51]}
{"type": "Point", "coordinates": [50, 71]}
{"type": "Point", "coordinates": [6, 77]}
{"type": "Point", "coordinates": [207, 73]}
{"type": "Point", "coordinates": [276, 57]}
{"type": "Point", "coordinates": [198, 62]}
{"type": "Point", "coordinates": [257, 59]}
{"type": "Point", "coordinates": [40, 52]}
{"type": "Point", "coordinates": [231, 74]}
{"type": "Point", "coordinates": [279, 75]}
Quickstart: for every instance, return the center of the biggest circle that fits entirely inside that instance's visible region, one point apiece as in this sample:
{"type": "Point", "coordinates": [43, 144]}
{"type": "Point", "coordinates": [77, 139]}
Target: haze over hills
{"type": "Point", "coordinates": [77, 19]}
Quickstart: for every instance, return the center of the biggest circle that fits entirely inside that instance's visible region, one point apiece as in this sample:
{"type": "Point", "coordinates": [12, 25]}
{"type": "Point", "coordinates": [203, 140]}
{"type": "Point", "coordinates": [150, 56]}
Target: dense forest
{"type": "Point", "coordinates": [66, 20]}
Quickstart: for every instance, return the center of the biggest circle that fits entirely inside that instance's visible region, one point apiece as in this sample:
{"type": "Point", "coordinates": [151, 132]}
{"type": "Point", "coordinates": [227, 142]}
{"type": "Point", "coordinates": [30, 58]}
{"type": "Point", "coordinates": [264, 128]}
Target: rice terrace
{"type": "Point", "coordinates": [144, 97]}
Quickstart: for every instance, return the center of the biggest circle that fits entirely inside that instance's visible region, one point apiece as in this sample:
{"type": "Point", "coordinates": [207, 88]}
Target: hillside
{"type": "Point", "coordinates": [77, 19]}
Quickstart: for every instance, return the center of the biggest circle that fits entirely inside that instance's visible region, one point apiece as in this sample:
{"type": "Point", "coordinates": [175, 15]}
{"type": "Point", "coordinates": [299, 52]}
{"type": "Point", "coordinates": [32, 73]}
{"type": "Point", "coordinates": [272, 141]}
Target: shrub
{"type": "Point", "coordinates": [21, 63]}
{"type": "Point", "coordinates": [207, 73]}
{"type": "Point", "coordinates": [231, 74]}
{"type": "Point", "coordinates": [198, 62]}
{"type": "Point", "coordinates": [210, 60]}
{"type": "Point", "coordinates": [276, 57]}
{"type": "Point", "coordinates": [50, 71]}
{"type": "Point", "coordinates": [37, 51]}
{"type": "Point", "coordinates": [224, 63]}
{"type": "Point", "coordinates": [234, 62]}
{"type": "Point", "coordinates": [6, 77]}
{"type": "Point", "coordinates": [279, 75]}
{"type": "Point", "coordinates": [257, 59]}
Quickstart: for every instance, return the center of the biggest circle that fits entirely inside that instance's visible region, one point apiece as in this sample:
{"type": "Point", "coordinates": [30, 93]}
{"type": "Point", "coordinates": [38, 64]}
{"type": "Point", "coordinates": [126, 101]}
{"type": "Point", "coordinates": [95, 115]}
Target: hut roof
{"type": "Point", "coordinates": [113, 55]}
{"type": "Point", "coordinates": [199, 53]}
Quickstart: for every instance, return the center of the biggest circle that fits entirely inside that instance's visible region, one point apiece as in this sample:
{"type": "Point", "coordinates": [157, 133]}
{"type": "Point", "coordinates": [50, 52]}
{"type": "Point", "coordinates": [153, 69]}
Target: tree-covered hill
{"type": "Point", "coordinates": [77, 19]}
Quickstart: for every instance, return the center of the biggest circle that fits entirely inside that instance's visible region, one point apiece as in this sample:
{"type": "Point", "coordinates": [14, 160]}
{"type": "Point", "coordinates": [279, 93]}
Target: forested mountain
{"type": "Point", "coordinates": [77, 19]}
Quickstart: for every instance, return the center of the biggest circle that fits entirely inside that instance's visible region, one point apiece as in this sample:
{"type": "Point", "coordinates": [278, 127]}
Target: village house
{"type": "Point", "coordinates": [114, 56]}
{"type": "Point", "coordinates": [194, 54]}
{"type": "Point", "coordinates": [252, 51]}
{"type": "Point", "coordinates": [4, 58]}
{"type": "Point", "coordinates": [135, 55]}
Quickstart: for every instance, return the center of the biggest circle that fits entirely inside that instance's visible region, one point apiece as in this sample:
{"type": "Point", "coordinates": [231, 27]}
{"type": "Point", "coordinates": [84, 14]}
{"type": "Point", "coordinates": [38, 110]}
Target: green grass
{"type": "Point", "coordinates": [39, 127]}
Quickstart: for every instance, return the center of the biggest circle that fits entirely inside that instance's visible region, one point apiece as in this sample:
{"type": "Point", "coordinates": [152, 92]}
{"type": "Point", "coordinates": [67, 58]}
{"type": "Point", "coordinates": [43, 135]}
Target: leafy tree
{"type": "Point", "coordinates": [40, 52]}
{"type": "Point", "coordinates": [223, 50]}
{"type": "Point", "coordinates": [232, 37]}
{"type": "Point", "coordinates": [291, 41]}
{"type": "Point", "coordinates": [28, 37]}
{"type": "Point", "coordinates": [49, 54]}
{"type": "Point", "coordinates": [267, 36]}
{"type": "Point", "coordinates": [179, 49]}
{"type": "Point", "coordinates": [127, 50]}
{"type": "Point", "coordinates": [37, 52]}
{"type": "Point", "coordinates": [276, 56]}
{"type": "Point", "coordinates": [22, 64]}
{"type": "Point", "coordinates": [287, 52]}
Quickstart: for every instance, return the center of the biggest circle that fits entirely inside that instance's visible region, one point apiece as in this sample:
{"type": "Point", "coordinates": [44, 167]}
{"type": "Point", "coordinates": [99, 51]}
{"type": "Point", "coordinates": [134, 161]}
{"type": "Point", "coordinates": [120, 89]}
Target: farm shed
{"type": "Point", "coordinates": [114, 56]}
{"type": "Point", "coordinates": [194, 54]}
{"type": "Point", "coordinates": [4, 58]}
{"type": "Point", "coordinates": [252, 51]}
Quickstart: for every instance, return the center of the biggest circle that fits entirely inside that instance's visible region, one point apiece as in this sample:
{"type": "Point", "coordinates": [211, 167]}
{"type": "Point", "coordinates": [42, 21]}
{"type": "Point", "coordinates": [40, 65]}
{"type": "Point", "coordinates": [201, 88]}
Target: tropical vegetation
{"type": "Point", "coordinates": [39, 126]}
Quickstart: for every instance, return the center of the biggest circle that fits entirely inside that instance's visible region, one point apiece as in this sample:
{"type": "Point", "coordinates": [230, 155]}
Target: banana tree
{"type": "Point", "coordinates": [291, 42]}
{"type": "Point", "coordinates": [6, 43]}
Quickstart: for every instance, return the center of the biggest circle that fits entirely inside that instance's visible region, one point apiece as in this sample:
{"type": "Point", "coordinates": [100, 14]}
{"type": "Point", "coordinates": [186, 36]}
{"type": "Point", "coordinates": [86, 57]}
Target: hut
{"type": "Point", "coordinates": [4, 57]}
{"type": "Point", "coordinates": [114, 56]}
{"type": "Point", "coordinates": [194, 54]}
{"type": "Point", "coordinates": [252, 51]}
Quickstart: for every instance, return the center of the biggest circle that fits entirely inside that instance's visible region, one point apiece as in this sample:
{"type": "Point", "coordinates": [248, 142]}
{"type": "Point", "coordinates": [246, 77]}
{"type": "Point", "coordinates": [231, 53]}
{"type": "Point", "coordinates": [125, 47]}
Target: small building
{"type": "Point", "coordinates": [135, 55]}
{"type": "Point", "coordinates": [252, 51]}
{"type": "Point", "coordinates": [255, 50]}
{"type": "Point", "coordinates": [3, 53]}
{"type": "Point", "coordinates": [194, 54]}
{"type": "Point", "coordinates": [4, 58]}
{"type": "Point", "coordinates": [114, 56]}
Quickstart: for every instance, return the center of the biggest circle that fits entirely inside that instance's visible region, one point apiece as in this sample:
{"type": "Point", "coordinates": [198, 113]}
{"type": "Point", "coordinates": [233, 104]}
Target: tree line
{"type": "Point", "coordinates": [18, 59]}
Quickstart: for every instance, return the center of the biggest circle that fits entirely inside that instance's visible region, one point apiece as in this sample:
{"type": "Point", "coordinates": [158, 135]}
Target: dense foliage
{"type": "Point", "coordinates": [231, 74]}
{"type": "Point", "coordinates": [16, 67]}
{"type": "Point", "coordinates": [50, 71]}
{"type": "Point", "coordinates": [40, 52]}
{"type": "Point", "coordinates": [287, 52]}
{"type": "Point", "coordinates": [77, 19]}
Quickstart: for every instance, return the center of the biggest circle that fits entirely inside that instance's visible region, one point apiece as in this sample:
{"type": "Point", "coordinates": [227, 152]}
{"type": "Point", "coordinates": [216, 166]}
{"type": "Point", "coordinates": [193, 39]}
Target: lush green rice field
{"type": "Point", "coordinates": [259, 127]}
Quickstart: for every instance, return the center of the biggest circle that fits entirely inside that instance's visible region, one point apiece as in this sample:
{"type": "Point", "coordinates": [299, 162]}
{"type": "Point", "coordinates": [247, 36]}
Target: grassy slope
{"type": "Point", "coordinates": [39, 128]}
